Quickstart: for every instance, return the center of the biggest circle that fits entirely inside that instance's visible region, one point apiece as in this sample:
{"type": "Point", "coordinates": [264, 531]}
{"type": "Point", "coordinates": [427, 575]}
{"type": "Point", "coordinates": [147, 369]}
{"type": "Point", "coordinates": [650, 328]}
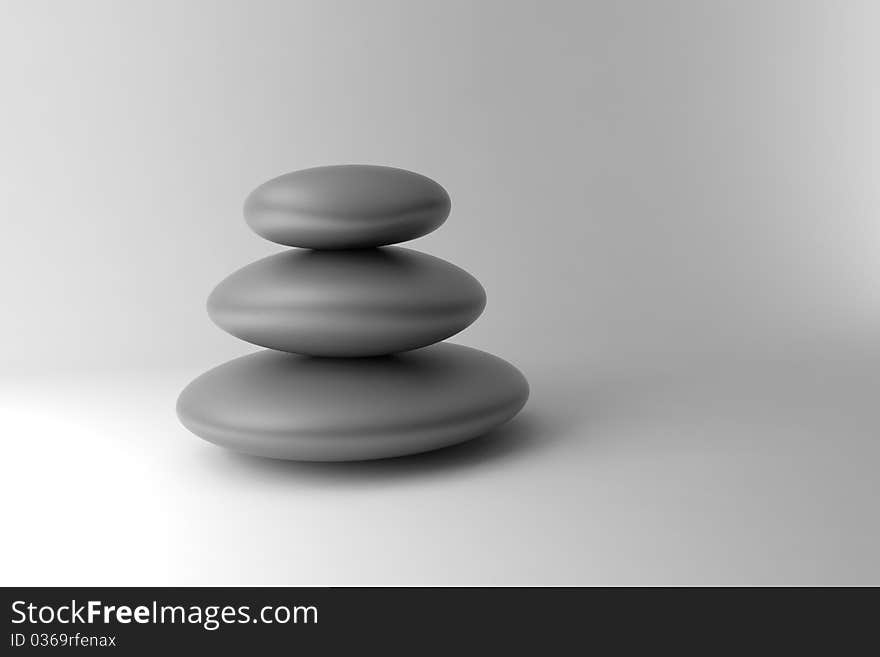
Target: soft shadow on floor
{"type": "Point", "coordinates": [519, 438]}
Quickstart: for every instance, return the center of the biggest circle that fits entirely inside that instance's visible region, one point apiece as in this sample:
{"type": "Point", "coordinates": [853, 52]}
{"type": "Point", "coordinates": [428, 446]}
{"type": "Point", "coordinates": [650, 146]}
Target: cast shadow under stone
{"type": "Point", "coordinates": [520, 437]}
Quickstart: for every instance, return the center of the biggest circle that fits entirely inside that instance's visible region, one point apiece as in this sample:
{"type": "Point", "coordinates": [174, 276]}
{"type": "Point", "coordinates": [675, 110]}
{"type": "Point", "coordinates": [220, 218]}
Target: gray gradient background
{"type": "Point", "coordinates": [673, 207]}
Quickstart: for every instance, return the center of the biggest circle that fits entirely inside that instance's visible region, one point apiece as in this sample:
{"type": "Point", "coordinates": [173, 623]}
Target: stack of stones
{"type": "Point", "coordinates": [353, 370]}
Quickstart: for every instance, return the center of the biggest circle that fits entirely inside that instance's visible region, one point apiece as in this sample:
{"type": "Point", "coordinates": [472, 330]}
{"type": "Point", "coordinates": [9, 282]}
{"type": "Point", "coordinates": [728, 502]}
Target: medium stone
{"type": "Point", "coordinates": [364, 302]}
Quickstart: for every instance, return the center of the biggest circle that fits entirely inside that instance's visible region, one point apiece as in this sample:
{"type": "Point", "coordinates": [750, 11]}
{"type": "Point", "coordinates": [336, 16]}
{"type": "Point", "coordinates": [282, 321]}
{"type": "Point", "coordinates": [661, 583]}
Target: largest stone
{"type": "Point", "coordinates": [286, 406]}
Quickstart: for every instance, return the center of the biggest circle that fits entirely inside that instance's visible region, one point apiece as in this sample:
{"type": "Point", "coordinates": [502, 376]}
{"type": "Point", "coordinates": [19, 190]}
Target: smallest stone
{"type": "Point", "coordinates": [350, 206]}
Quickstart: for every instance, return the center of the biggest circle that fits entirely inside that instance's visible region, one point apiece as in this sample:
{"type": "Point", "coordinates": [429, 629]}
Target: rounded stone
{"type": "Point", "coordinates": [286, 406]}
{"type": "Point", "coordinates": [365, 302]}
{"type": "Point", "coordinates": [346, 207]}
